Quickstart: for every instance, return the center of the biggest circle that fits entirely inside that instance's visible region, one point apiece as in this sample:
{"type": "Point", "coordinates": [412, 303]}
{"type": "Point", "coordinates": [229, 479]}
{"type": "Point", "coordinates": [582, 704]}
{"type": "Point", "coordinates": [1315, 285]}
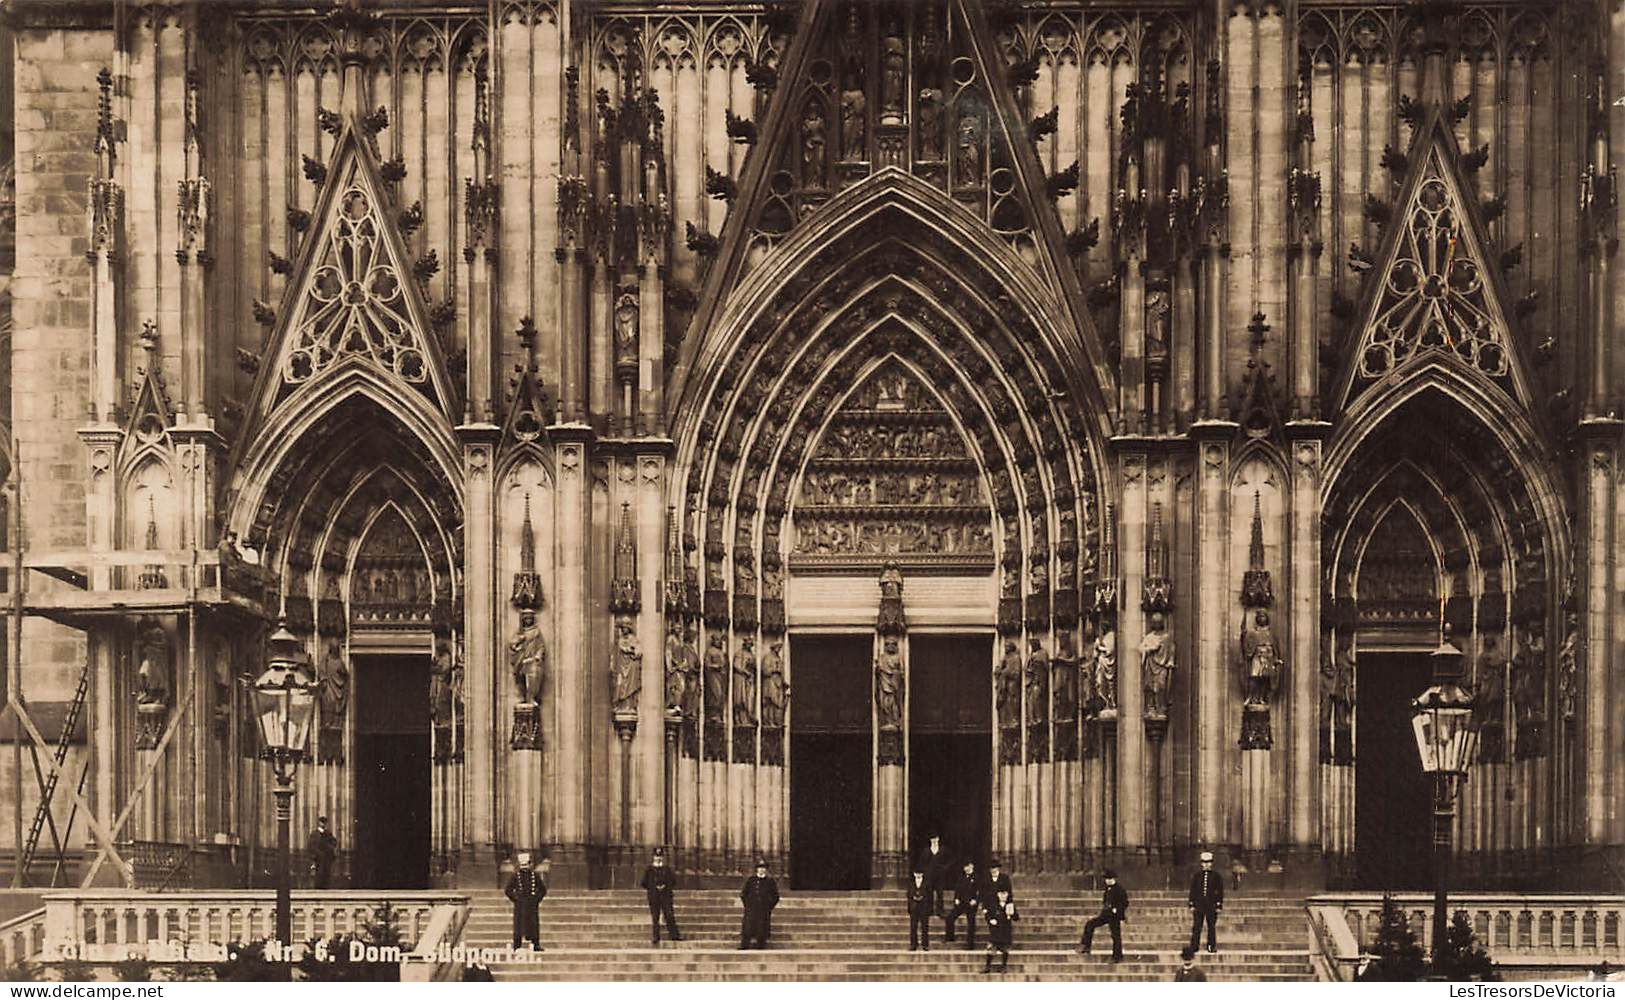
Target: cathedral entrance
{"type": "Point", "coordinates": [392, 772]}
{"type": "Point", "coordinates": [950, 774]}
{"type": "Point", "coordinates": [831, 762]}
{"type": "Point", "coordinates": [1392, 796]}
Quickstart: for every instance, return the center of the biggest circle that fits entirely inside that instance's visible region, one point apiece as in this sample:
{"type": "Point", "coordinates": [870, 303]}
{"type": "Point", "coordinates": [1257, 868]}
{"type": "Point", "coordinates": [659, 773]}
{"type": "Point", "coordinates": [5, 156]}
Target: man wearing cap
{"type": "Point", "coordinates": [1113, 911]}
{"type": "Point", "coordinates": [659, 882]}
{"type": "Point", "coordinates": [996, 880]}
{"type": "Point", "coordinates": [760, 895]}
{"type": "Point", "coordinates": [933, 861]}
{"type": "Point", "coordinates": [322, 847]}
{"type": "Point", "coordinates": [526, 890]}
{"type": "Point", "coordinates": [1188, 972]}
{"type": "Point", "coordinates": [919, 912]}
{"type": "Point", "coordinates": [1206, 900]}
{"type": "Point", "coordinates": [967, 891]}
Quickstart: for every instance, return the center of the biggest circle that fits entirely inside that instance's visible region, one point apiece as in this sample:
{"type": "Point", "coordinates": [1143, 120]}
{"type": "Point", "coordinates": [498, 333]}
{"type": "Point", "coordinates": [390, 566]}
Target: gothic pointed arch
{"type": "Point", "coordinates": [1435, 294]}
{"type": "Point", "coordinates": [353, 312]}
{"type": "Point", "coordinates": [871, 94]}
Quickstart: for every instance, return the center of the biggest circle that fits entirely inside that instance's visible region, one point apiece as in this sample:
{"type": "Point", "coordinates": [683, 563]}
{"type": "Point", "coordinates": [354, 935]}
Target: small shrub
{"type": "Point", "coordinates": [1398, 958]}
{"type": "Point", "coordinates": [1462, 958]}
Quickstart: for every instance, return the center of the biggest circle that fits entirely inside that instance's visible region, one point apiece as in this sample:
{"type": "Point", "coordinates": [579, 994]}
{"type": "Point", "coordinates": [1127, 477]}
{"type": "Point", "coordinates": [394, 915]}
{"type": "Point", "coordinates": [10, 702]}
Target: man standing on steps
{"type": "Point", "coordinates": [934, 862]}
{"type": "Point", "coordinates": [322, 847]}
{"type": "Point", "coordinates": [659, 882]}
{"type": "Point", "coordinates": [919, 912]}
{"type": "Point", "coordinates": [1113, 911]}
{"type": "Point", "coordinates": [1001, 917]}
{"type": "Point", "coordinates": [526, 889]}
{"type": "Point", "coordinates": [760, 895]}
{"type": "Point", "coordinates": [967, 894]}
{"type": "Point", "coordinates": [1206, 900]}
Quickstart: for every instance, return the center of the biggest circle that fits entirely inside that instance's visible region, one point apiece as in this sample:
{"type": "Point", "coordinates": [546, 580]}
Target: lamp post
{"type": "Point", "coordinates": [1445, 739]}
{"type": "Point", "coordinates": [284, 701]}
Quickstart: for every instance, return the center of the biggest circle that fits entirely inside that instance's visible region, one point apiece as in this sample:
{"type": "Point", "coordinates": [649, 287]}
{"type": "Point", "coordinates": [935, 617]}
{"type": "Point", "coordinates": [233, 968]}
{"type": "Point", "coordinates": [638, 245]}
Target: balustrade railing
{"type": "Point", "coordinates": [1554, 932]}
{"type": "Point", "coordinates": [22, 938]}
{"type": "Point", "coordinates": [108, 925]}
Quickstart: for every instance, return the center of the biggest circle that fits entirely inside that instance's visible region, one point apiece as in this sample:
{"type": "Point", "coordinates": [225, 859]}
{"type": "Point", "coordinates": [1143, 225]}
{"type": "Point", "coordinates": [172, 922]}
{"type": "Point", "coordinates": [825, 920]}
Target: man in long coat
{"type": "Point", "coordinates": [526, 889]}
{"type": "Point", "coordinates": [659, 882]}
{"type": "Point", "coordinates": [760, 895]}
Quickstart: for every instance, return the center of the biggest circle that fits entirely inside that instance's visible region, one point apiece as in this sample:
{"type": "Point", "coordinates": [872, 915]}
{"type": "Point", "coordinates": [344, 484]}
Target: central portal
{"type": "Point", "coordinates": [392, 772]}
{"type": "Point", "coordinates": [950, 758]}
{"type": "Point", "coordinates": [1392, 796]}
{"type": "Point", "coordinates": [831, 762]}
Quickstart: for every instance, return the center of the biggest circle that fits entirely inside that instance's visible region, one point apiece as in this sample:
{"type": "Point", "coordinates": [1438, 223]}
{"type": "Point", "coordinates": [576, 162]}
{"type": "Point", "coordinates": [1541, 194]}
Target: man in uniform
{"type": "Point", "coordinates": [934, 863]}
{"type": "Point", "coordinates": [967, 891]}
{"type": "Point", "coordinates": [658, 884]}
{"type": "Point", "coordinates": [1206, 900]}
{"type": "Point", "coordinates": [1113, 911]}
{"type": "Point", "coordinates": [526, 889]}
{"type": "Point", "coordinates": [759, 895]}
{"type": "Point", "coordinates": [322, 847]}
{"type": "Point", "coordinates": [919, 912]}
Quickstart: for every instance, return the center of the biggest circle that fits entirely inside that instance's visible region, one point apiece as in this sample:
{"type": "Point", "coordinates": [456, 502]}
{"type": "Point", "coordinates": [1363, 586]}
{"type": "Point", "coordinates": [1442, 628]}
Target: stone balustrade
{"type": "Point", "coordinates": [22, 938]}
{"type": "Point", "coordinates": [107, 925]}
{"type": "Point", "coordinates": [1552, 932]}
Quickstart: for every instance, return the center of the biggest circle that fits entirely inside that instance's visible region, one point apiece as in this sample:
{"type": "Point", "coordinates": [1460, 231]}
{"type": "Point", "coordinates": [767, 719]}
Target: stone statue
{"type": "Point", "coordinates": [716, 678]}
{"type": "Point", "coordinates": [1336, 694]}
{"type": "Point", "coordinates": [1529, 677]}
{"type": "Point", "coordinates": [691, 672]}
{"type": "Point", "coordinates": [1568, 668]}
{"type": "Point", "coordinates": [445, 682]}
{"type": "Point", "coordinates": [154, 680]}
{"type": "Point", "coordinates": [1157, 666]}
{"type": "Point", "coordinates": [928, 123]}
{"type": "Point", "coordinates": [1106, 667]}
{"type": "Point", "coordinates": [775, 692]}
{"type": "Point", "coordinates": [626, 327]}
{"type": "Point", "coordinates": [854, 123]}
{"type": "Point", "coordinates": [773, 582]}
{"type": "Point", "coordinates": [745, 683]}
{"type": "Point", "coordinates": [1156, 323]}
{"type": "Point", "coordinates": [813, 142]}
{"type": "Point", "coordinates": [676, 678]}
{"type": "Point", "coordinates": [1064, 678]}
{"type": "Point", "coordinates": [627, 668]}
{"type": "Point", "coordinates": [527, 658]}
{"type": "Point", "coordinates": [892, 73]}
{"type": "Point", "coordinates": [889, 685]}
{"type": "Point", "coordinates": [968, 151]}
{"type": "Point", "coordinates": [1037, 682]}
{"type": "Point", "coordinates": [333, 688]}
{"type": "Point", "coordinates": [1263, 659]}
{"type": "Point", "coordinates": [1489, 692]}
{"type": "Point", "coordinates": [1009, 685]}
{"type": "Point", "coordinates": [1086, 670]}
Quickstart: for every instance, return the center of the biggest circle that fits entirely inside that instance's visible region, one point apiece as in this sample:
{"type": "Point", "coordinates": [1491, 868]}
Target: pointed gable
{"type": "Point", "coordinates": [151, 415]}
{"type": "Point", "coordinates": [353, 299]}
{"type": "Point", "coordinates": [1435, 293]}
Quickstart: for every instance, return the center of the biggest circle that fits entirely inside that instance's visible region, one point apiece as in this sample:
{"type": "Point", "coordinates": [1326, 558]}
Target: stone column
{"type": "Point", "coordinates": [650, 823]}
{"type": "Point", "coordinates": [1131, 792]}
{"type": "Point", "coordinates": [1303, 661]}
{"type": "Point", "coordinates": [1210, 666]}
{"type": "Point", "coordinates": [480, 643]}
{"type": "Point", "coordinates": [1597, 548]}
{"type": "Point", "coordinates": [891, 729]}
{"type": "Point", "coordinates": [571, 729]}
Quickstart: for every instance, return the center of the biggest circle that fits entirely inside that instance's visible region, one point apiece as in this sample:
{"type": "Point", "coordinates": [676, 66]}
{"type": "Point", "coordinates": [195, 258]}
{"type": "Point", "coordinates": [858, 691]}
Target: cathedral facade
{"type": "Point", "coordinates": [787, 430]}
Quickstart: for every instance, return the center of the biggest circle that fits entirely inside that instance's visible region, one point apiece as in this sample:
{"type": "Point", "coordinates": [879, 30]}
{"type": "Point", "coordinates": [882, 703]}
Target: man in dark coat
{"type": "Point", "coordinates": [659, 882]}
{"type": "Point", "coordinates": [967, 893]}
{"type": "Point", "coordinates": [1188, 972]}
{"type": "Point", "coordinates": [1113, 911]}
{"type": "Point", "coordinates": [937, 866]}
{"type": "Point", "coordinates": [526, 890]}
{"type": "Point", "coordinates": [759, 895]}
{"type": "Point", "coordinates": [1001, 916]}
{"type": "Point", "coordinates": [322, 847]}
{"type": "Point", "coordinates": [919, 913]}
{"type": "Point", "coordinates": [997, 879]}
{"type": "Point", "coordinates": [1206, 900]}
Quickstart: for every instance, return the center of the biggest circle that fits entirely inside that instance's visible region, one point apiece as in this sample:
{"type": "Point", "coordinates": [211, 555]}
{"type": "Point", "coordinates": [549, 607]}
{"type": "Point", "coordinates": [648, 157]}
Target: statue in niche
{"type": "Point", "coordinates": [892, 73]}
{"type": "Point", "coordinates": [1489, 690]}
{"type": "Point", "coordinates": [1529, 677]}
{"type": "Point", "coordinates": [445, 682]}
{"type": "Point", "coordinates": [745, 683]}
{"type": "Point", "coordinates": [773, 580]}
{"type": "Point", "coordinates": [626, 327]}
{"type": "Point", "coordinates": [813, 144]}
{"type": "Point", "coordinates": [691, 672]}
{"type": "Point", "coordinates": [1336, 692]}
{"type": "Point", "coordinates": [1038, 576]}
{"type": "Point", "coordinates": [1568, 668]}
{"type": "Point", "coordinates": [968, 150]}
{"type": "Point", "coordinates": [154, 679]}
{"type": "Point", "coordinates": [527, 658]}
{"type": "Point", "coordinates": [1157, 665]}
{"type": "Point", "coordinates": [627, 669]}
{"type": "Point", "coordinates": [1262, 655]}
{"type": "Point", "coordinates": [1037, 682]}
{"type": "Point", "coordinates": [676, 676]}
{"type": "Point", "coordinates": [1086, 669]}
{"type": "Point", "coordinates": [1008, 680]}
{"type": "Point", "coordinates": [333, 687]}
{"type": "Point", "coordinates": [854, 118]}
{"type": "Point", "coordinates": [929, 125]}
{"type": "Point", "coordinates": [1064, 678]}
{"type": "Point", "coordinates": [889, 685]}
{"type": "Point", "coordinates": [775, 692]}
{"type": "Point", "coordinates": [716, 678]}
{"type": "Point", "coordinates": [1106, 666]}
{"type": "Point", "coordinates": [1156, 323]}
{"type": "Point", "coordinates": [744, 577]}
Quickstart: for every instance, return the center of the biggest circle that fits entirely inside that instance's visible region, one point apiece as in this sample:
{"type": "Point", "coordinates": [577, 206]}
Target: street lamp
{"type": "Point", "coordinates": [1446, 739]}
{"type": "Point", "coordinates": [284, 700]}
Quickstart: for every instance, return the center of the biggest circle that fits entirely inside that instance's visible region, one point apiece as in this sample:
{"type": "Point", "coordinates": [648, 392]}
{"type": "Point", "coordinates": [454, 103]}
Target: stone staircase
{"type": "Point", "coordinates": [600, 935]}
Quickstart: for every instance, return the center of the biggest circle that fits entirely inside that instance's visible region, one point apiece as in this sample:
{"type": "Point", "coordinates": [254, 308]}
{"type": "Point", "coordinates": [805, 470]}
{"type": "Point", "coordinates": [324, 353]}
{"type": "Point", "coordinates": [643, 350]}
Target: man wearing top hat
{"type": "Point", "coordinates": [526, 889]}
{"type": "Point", "coordinates": [937, 866]}
{"type": "Point", "coordinates": [1113, 911]}
{"type": "Point", "coordinates": [1206, 900]}
{"type": "Point", "coordinates": [760, 895]}
{"type": "Point", "coordinates": [659, 882]}
{"type": "Point", "coordinates": [967, 897]}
